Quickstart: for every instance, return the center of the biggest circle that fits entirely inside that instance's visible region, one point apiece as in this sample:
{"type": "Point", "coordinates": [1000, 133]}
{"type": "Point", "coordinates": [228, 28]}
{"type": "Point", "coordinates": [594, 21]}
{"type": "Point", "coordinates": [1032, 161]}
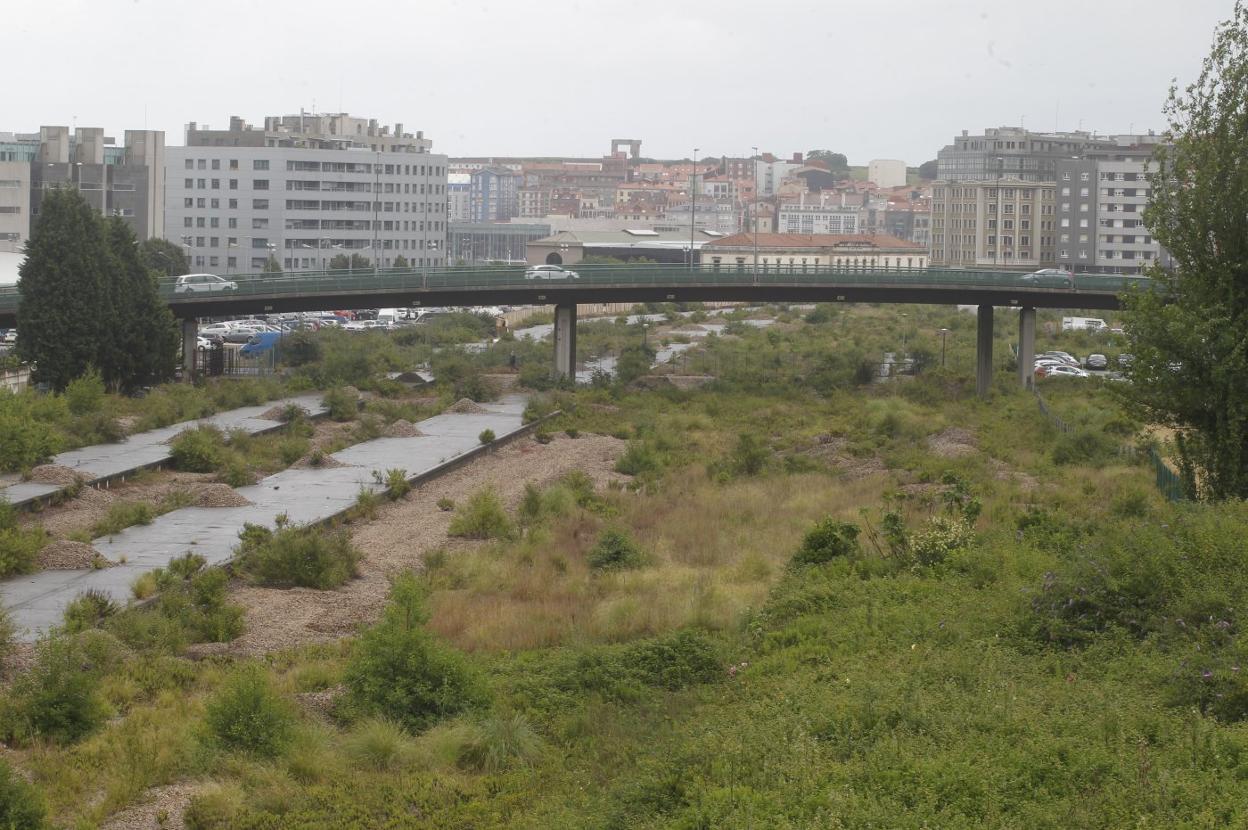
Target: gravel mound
{"type": "Point", "coordinates": [218, 495]}
{"type": "Point", "coordinates": [467, 406]}
{"type": "Point", "coordinates": [321, 703]}
{"type": "Point", "coordinates": [952, 442]}
{"type": "Point", "coordinates": [278, 413]}
{"type": "Point", "coordinates": [403, 428]}
{"type": "Point", "coordinates": [71, 556]}
{"type": "Point", "coordinates": [56, 474]}
{"type": "Point", "coordinates": [328, 462]}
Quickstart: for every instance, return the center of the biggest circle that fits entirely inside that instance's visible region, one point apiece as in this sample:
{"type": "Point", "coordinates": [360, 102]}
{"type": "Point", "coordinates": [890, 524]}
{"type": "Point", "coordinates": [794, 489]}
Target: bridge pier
{"type": "Point", "coordinates": [1027, 347]}
{"type": "Point", "coordinates": [565, 341]}
{"type": "Point", "coordinates": [190, 333]}
{"type": "Point", "coordinates": [983, 351]}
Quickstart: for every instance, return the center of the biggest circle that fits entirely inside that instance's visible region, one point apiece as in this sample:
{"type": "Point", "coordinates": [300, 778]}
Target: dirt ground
{"type": "Point", "coordinates": [162, 807]}
{"type": "Point", "coordinates": [402, 533]}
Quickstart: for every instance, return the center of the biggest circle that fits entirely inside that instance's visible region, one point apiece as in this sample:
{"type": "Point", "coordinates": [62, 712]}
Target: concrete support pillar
{"type": "Point", "coordinates": [1027, 347]}
{"type": "Point", "coordinates": [190, 331]}
{"type": "Point", "coordinates": [983, 351]}
{"type": "Point", "coordinates": [565, 341]}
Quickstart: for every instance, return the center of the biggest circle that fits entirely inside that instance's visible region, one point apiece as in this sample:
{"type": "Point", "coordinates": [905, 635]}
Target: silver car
{"type": "Point", "coordinates": [190, 283]}
{"type": "Point", "coordinates": [1048, 278]}
{"type": "Point", "coordinates": [550, 272]}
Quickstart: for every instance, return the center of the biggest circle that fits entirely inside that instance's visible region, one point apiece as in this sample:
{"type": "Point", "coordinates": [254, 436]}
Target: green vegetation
{"type": "Point", "coordinates": [21, 808]}
{"type": "Point", "coordinates": [247, 715]}
{"type": "Point", "coordinates": [19, 547]}
{"type": "Point", "coordinates": [290, 557]}
{"type": "Point", "coordinates": [615, 550]}
{"type": "Point", "coordinates": [1188, 335]}
{"type": "Point", "coordinates": [486, 436]}
{"type": "Point", "coordinates": [483, 517]}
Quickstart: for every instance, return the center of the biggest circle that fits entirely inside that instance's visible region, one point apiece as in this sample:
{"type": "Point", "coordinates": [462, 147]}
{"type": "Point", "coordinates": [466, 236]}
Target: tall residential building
{"type": "Point", "coordinates": [458, 197]}
{"type": "Point", "coordinates": [1100, 212]}
{"type": "Point", "coordinates": [1014, 153]}
{"type": "Point", "coordinates": [126, 181]}
{"type": "Point", "coordinates": [494, 194]}
{"type": "Point", "coordinates": [303, 189]}
{"type": "Point", "coordinates": [887, 173]}
{"type": "Point", "coordinates": [1004, 223]}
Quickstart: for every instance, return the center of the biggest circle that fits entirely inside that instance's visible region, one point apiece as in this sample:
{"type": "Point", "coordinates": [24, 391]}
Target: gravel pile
{"type": "Point", "coordinates": [71, 556]}
{"type": "Point", "coordinates": [56, 474]}
{"type": "Point", "coordinates": [161, 807]}
{"type": "Point", "coordinates": [278, 413]}
{"type": "Point", "coordinates": [218, 495]}
{"type": "Point", "coordinates": [328, 462]}
{"type": "Point", "coordinates": [467, 406]}
{"type": "Point", "coordinates": [403, 428]}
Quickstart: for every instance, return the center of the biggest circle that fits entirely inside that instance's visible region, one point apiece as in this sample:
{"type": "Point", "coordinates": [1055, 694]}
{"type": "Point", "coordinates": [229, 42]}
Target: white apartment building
{"type": "Point", "coordinates": [458, 197]}
{"type": "Point", "coordinates": [818, 219]}
{"type": "Point", "coordinates": [886, 173]}
{"type": "Point", "coordinates": [304, 189]}
{"type": "Point", "coordinates": [769, 175]}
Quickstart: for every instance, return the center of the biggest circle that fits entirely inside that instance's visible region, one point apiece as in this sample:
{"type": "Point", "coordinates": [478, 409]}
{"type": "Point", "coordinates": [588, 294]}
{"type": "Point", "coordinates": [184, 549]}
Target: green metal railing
{"type": "Point", "coordinates": [305, 283]}
{"type": "Point", "coordinates": [1168, 481]}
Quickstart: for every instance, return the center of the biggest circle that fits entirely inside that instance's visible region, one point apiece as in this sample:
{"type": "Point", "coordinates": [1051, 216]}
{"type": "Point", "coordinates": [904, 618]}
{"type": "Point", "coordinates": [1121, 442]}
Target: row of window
{"type": "Point", "coordinates": [326, 166]}
{"type": "Point", "coordinates": [203, 202]}
{"type": "Point", "coordinates": [291, 263]}
{"type": "Point", "coordinates": [263, 242]}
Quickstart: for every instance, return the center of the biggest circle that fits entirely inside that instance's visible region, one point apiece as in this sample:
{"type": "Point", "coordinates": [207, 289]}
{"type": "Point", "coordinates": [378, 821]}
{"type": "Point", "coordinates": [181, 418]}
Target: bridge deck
{"type": "Point", "coordinates": [313, 290]}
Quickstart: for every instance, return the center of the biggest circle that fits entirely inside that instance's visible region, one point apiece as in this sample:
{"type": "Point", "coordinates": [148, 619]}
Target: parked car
{"type": "Point", "coordinates": [1048, 278]}
{"type": "Point", "coordinates": [1097, 361]}
{"type": "Point", "coordinates": [192, 283]}
{"type": "Point", "coordinates": [10, 336]}
{"type": "Point", "coordinates": [550, 272]}
{"type": "Point", "coordinates": [1065, 372]}
{"type": "Point", "coordinates": [1064, 357]}
{"type": "Point", "coordinates": [241, 334]}
{"type": "Point", "coordinates": [260, 342]}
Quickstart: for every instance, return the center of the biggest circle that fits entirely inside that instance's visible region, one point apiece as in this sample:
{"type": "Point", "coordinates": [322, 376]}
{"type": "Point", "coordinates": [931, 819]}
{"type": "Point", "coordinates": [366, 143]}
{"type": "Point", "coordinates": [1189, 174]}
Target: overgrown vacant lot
{"type": "Point", "coordinates": [746, 606]}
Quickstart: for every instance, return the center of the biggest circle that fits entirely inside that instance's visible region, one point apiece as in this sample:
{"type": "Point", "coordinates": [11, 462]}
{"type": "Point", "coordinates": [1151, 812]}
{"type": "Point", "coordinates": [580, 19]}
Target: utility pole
{"type": "Point", "coordinates": [754, 166]}
{"type": "Point", "coordinates": [693, 206]}
{"type": "Point", "coordinates": [376, 209]}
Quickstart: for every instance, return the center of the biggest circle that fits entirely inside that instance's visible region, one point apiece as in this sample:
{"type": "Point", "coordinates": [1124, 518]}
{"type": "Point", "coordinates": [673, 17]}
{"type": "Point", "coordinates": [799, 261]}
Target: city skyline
{"type": "Point", "coordinates": [497, 79]}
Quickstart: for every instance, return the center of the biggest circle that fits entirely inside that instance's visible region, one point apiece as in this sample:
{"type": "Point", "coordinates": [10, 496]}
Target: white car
{"type": "Point", "coordinates": [550, 272]}
{"type": "Point", "coordinates": [1065, 372]}
{"type": "Point", "coordinates": [190, 283]}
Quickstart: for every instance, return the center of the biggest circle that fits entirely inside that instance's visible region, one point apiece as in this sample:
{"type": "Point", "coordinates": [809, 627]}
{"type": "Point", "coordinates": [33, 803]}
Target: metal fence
{"type": "Point", "coordinates": [225, 362]}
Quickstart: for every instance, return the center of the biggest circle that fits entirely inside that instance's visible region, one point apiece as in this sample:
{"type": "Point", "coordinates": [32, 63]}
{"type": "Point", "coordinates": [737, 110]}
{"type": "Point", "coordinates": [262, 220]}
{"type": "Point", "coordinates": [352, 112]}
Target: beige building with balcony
{"type": "Point", "coordinates": [809, 250]}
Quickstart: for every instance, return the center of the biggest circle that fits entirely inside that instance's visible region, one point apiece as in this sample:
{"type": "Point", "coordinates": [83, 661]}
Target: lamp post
{"type": "Point", "coordinates": [376, 207]}
{"type": "Point", "coordinates": [755, 217]}
{"type": "Point", "coordinates": [693, 204]}
{"type": "Point", "coordinates": [943, 332]}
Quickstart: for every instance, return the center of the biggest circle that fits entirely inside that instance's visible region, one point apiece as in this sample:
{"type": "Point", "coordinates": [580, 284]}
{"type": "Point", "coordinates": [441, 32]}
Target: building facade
{"type": "Point", "coordinates": [810, 250]}
{"type": "Point", "coordinates": [1005, 223]}
{"type": "Point", "coordinates": [304, 189]}
{"type": "Point", "coordinates": [818, 219]}
{"type": "Point", "coordinates": [886, 172]}
{"type": "Point", "coordinates": [1100, 210]}
{"type": "Point", "coordinates": [126, 181]}
{"type": "Point", "coordinates": [458, 197]}
{"type": "Point", "coordinates": [494, 194]}
{"type": "Point", "coordinates": [495, 242]}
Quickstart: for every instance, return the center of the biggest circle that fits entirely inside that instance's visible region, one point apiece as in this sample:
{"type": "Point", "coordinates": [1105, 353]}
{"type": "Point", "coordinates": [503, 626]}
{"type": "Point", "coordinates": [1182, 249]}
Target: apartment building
{"type": "Point", "coordinates": [458, 197]}
{"type": "Point", "coordinates": [126, 181]}
{"type": "Point", "coordinates": [1013, 153]}
{"type": "Point", "coordinates": [1100, 211]}
{"type": "Point", "coordinates": [818, 219]}
{"type": "Point", "coordinates": [493, 194]}
{"type": "Point", "coordinates": [1004, 223]}
{"type": "Point", "coordinates": [810, 250]}
{"type": "Point", "coordinates": [303, 189]}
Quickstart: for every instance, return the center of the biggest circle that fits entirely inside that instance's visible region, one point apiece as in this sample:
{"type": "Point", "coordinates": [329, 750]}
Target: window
{"type": "Point", "coordinates": [216, 164]}
{"type": "Point", "coordinates": [202, 164]}
{"type": "Point", "coordinates": [259, 242]}
{"type": "Point", "coordinates": [1083, 191]}
{"type": "Point", "coordinates": [1063, 254]}
{"type": "Point", "coordinates": [1065, 223]}
{"type": "Point", "coordinates": [201, 184]}
{"type": "Point", "coordinates": [216, 184]}
{"type": "Point", "coordinates": [259, 224]}
{"type": "Point", "coordinates": [186, 221]}
{"type": "Point", "coordinates": [233, 164]}
{"type": "Point", "coordinates": [1065, 191]}
{"type": "Point", "coordinates": [233, 204]}
{"type": "Point", "coordinates": [260, 204]}
{"type": "Point", "coordinates": [231, 222]}
{"type": "Point", "coordinates": [214, 222]}
{"type": "Point", "coordinates": [1066, 177]}
{"type": "Point", "coordinates": [188, 202]}
{"type": "Point", "coordinates": [233, 184]}
{"type": "Point", "coordinates": [259, 184]}
{"type": "Point", "coordinates": [1083, 177]}
{"type": "Point", "coordinates": [199, 203]}
{"type": "Point", "coordinates": [199, 222]}
{"type": "Point", "coordinates": [188, 183]}
{"type": "Point", "coordinates": [190, 164]}
{"type": "Point", "coordinates": [260, 164]}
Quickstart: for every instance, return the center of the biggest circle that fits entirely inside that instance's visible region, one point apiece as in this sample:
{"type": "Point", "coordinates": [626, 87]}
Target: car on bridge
{"type": "Point", "coordinates": [193, 283]}
{"type": "Point", "coordinates": [550, 272]}
{"type": "Point", "coordinates": [1049, 278]}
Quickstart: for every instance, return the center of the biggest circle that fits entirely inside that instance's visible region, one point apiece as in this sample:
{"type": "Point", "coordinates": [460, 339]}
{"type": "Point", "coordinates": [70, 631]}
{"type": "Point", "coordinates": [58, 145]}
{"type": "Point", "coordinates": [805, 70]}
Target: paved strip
{"type": "Point", "coordinates": [102, 462]}
{"type": "Point", "coordinates": [37, 601]}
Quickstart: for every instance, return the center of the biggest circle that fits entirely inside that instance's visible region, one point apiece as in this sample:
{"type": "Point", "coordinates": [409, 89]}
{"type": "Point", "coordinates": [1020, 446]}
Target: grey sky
{"type": "Point", "coordinates": [871, 78]}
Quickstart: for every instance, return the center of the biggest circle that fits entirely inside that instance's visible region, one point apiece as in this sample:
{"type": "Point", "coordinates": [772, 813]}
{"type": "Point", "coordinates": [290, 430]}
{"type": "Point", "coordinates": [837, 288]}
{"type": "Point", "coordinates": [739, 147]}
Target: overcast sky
{"type": "Point", "coordinates": [870, 78]}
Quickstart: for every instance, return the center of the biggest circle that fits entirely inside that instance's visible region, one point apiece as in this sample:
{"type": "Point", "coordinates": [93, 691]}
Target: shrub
{"type": "Point", "coordinates": [246, 714]}
{"type": "Point", "coordinates": [21, 807]}
{"type": "Point", "coordinates": [192, 608]}
{"type": "Point", "coordinates": [615, 550]}
{"type": "Point", "coordinates": [1083, 447]}
{"type": "Point", "coordinates": [85, 394]}
{"type": "Point", "coordinates": [499, 741]}
{"type": "Point", "coordinates": [940, 536]}
{"type": "Point", "coordinates": [486, 436]}
{"type": "Point", "coordinates": [342, 405]}
{"type": "Point", "coordinates": [216, 808]}
{"type": "Point", "coordinates": [289, 557]}
{"type": "Point", "coordinates": [197, 450]}
{"type": "Point", "coordinates": [827, 540]}
{"type": "Point", "coordinates": [299, 348]}
{"type": "Point", "coordinates": [58, 698]}
{"type": "Point", "coordinates": [123, 514]}
{"type": "Point", "coordinates": [750, 455]}
{"type": "Point", "coordinates": [19, 548]}
{"type": "Point", "coordinates": [673, 661]}
{"type": "Point", "coordinates": [291, 449]}
{"type": "Point", "coordinates": [379, 744]}
{"type": "Point", "coordinates": [25, 439]}
{"type": "Point", "coordinates": [639, 458]}
{"type": "Point", "coordinates": [446, 505]}
{"type": "Point", "coordinates": [8, 632]}
{"type": "Point", "coordinates": [399, 670]}
{"type": "Point", "coordinates": [397, 485]}
{"type": "Point", "coordinates": [482, 518]}
{"type": "Point", "coordinates": [572, 432]}
{"type": "Point", "coordinates": [543, 436]}
{"type": "Point", "coordinates": [88, 610]}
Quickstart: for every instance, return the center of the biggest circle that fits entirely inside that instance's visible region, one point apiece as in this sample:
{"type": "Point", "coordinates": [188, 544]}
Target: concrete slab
{"type": "Point", "coordinates": [37, 602]}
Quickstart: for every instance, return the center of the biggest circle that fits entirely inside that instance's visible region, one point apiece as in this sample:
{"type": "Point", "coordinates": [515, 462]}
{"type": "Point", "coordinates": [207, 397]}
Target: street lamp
{"type": "Point", "coordinates": [693, 205]}
{"type": "Point", "coordinates": [943, 332]}
{"type": "Point", "coordinates": [755, 216]}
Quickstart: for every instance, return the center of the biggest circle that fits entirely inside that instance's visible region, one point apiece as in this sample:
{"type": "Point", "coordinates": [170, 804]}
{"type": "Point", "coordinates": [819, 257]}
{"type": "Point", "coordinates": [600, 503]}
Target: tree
{"type": "Point", "coordinates": [65, 309]}
{"type": "Point", "coordinates": [836, 162]}
{"type": "Point", "coordinates": [1188, 336]}
{"type": "Point", "coordinates": [145, 333]}
{"type": "Point", "coordinates": [164, 257]}
{"type": "Point", "coordinates": [356, 262]}
{"type": "Point", "coordinates": [928, 169]}
{"type": "Point", "coordinates": [400, 261]}
{"type": "Point", "coordinates": [271, 266]}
